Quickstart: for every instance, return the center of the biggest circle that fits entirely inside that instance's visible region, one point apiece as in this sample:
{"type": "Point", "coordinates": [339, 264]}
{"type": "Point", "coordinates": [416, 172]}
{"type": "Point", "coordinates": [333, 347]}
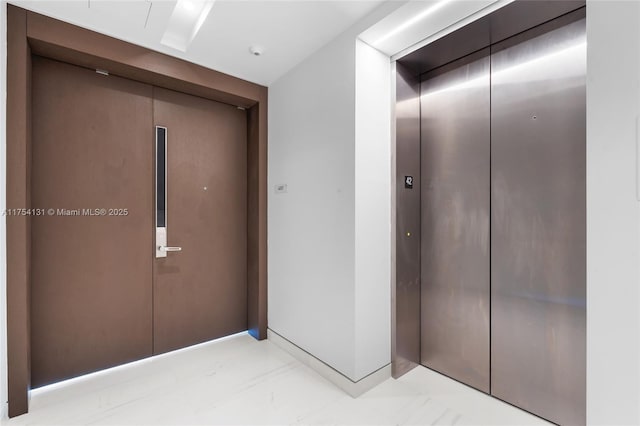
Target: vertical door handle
{"type": "Point", "coordinates": [161, 194]}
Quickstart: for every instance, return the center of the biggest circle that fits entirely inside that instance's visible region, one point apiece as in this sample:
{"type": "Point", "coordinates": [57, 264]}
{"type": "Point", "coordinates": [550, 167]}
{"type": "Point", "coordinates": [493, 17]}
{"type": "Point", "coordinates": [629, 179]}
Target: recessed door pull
{"type": "Point", "coordinates": [165, 248]}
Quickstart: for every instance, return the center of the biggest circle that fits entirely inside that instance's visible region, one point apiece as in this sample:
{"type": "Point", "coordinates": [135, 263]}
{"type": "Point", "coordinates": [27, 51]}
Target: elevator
{"type": "Point", "coordinates": [491, 235]}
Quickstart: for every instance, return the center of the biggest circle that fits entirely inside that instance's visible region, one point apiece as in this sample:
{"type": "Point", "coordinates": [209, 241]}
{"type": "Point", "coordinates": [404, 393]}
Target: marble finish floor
{"type": "Point", "coordinates": [240, 381]}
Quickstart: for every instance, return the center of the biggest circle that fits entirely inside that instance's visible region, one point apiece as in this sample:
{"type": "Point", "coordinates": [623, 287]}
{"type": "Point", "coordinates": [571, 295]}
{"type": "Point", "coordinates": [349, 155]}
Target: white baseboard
{"type": "Point", "coordinates": [355, 389]}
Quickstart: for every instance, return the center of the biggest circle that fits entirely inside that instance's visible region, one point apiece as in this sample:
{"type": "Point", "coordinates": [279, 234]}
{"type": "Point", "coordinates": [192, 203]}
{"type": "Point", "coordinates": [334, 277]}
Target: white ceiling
{"type": "Point", "coordinates": [288, 30]}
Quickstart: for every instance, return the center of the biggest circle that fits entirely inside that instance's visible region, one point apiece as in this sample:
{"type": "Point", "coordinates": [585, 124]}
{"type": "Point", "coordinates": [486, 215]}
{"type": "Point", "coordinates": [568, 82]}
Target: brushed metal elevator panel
{"type": "Point", "coordinates": [405, 348]}
{"type": "Point", "coordinates": [538, 223]}
{"type": "Point", "coordinates": [455, 179]}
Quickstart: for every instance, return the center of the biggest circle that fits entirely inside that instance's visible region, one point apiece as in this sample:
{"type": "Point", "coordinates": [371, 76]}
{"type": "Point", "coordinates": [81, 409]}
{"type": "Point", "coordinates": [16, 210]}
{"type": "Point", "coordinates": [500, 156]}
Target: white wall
{"type": "Point", "coordinates": [321, 295]}
{"type": "Point", "coordinates": [613, 213]}
{"type": "Point", "coordinates": [3, 233]}
{"type": "Point", "coordinates": [311, 240]}
{"type": "Point", "coordinates": [372, 210]}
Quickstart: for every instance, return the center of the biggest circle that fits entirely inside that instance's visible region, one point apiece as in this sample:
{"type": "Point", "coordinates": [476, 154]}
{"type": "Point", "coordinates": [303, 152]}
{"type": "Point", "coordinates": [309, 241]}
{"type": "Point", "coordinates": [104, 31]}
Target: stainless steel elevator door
{"type": "Point", "coordinates": [538, 223]}
{"type": "Point", "coordinates": [455, 184]}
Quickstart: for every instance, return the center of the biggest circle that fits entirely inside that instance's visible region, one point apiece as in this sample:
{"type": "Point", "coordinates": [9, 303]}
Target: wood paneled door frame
{"type": "Point", "coordinates": [30, 34]}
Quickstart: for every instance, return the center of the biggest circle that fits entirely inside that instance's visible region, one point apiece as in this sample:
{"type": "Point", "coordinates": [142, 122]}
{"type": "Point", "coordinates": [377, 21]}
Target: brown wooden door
{"type": "Point", "coordinates": [91, 294]}
{"type": "Point", "coordinates": [99, 297]}
{"type": "Point", "coordinates": [200, 293]}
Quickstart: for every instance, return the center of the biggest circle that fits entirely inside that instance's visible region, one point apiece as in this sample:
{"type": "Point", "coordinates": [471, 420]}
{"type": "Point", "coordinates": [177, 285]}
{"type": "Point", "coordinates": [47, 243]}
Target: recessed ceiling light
{"type": "Point", "coordinates": [185, 22]}
{"type": "Point", "coordinates": [187, 5]}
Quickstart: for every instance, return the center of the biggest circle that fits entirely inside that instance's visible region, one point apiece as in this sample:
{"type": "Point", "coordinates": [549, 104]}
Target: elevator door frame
{"type": "Point", "coordinates": [28, 34]}
{"type": "Point", "coordinates": [503, 24]}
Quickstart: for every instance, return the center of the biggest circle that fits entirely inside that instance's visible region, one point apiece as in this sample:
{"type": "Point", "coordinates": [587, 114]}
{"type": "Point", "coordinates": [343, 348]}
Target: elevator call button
{"type": "Point", "coordinates": [408, 182]}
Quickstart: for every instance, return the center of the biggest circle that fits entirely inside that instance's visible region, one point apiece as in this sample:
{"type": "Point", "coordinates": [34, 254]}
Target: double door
{"type": "Point", "coordinates": [105, 289]}
{"type": "Point", "coordinates": [503, 244]}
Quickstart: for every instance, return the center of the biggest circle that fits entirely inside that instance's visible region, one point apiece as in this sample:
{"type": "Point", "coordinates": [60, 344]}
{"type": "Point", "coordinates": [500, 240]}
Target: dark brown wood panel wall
{"type": "Point", "coordinates": [29, 33]}
{"type": "Point", "coordinates": [68, 43]}
{"type": "Point", "coordinates": [256, 221]}
{"type": "Point", "coordinates": [18, 226]}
